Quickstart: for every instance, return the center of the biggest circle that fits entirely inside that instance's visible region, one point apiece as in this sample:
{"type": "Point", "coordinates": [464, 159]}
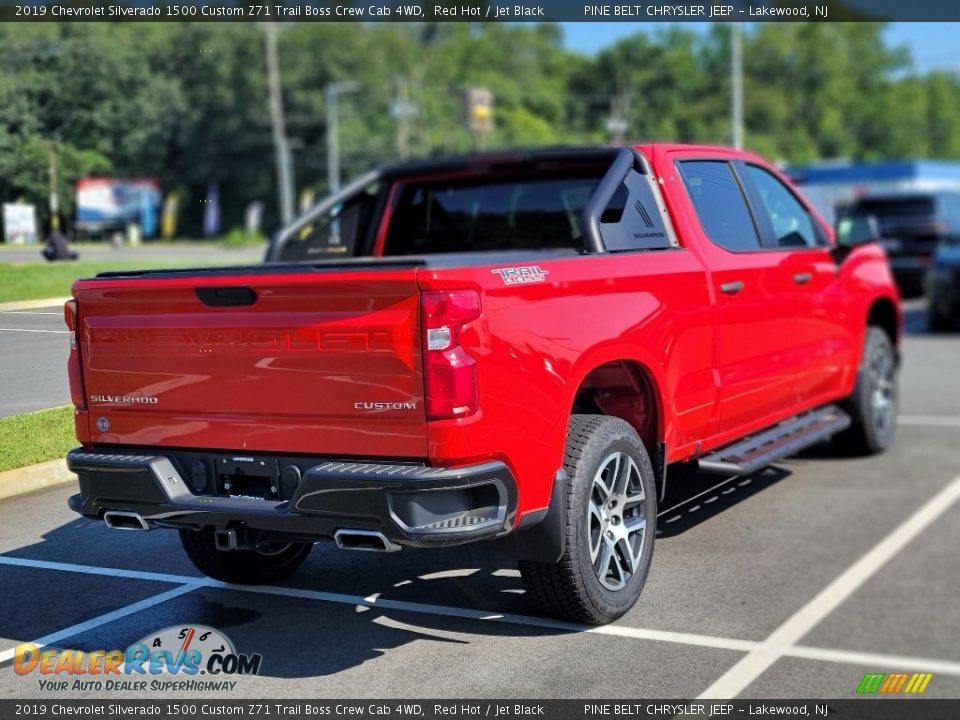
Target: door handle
{"type": "Point", "coordinates": [731, 288]}
{"type": "Point", "coordinates": [802, 278]}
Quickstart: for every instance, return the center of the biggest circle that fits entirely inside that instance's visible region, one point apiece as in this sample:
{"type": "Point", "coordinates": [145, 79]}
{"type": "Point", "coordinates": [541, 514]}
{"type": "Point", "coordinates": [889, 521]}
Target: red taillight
{"type": "Point", "coordinates": [71, 318]}
{"type": "Point", "coordinates": [70, 315]}
{"type": "Point", "coordinates": [450, 373]}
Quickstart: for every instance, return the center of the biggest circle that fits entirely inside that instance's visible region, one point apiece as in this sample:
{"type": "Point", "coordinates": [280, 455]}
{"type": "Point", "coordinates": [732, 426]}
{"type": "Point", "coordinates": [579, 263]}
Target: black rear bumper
{"type": "Point", "coordinates": [409, 504]}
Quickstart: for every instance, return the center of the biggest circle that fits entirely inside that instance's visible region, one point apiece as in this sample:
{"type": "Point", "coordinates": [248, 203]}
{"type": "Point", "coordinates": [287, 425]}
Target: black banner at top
{"type": "Point", "coordinates": [722, 11]}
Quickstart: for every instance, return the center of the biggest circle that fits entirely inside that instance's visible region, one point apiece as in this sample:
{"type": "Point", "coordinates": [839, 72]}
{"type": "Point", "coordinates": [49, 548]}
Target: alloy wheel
{"type": "Point", "coordinates": [616, 521]}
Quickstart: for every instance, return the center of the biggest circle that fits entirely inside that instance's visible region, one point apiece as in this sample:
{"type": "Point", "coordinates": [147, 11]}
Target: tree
{"type": "Point", "coordinates": [187, 102]}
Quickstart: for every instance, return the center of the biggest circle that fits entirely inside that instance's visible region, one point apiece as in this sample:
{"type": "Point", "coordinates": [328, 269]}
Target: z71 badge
{"type": "Point", "coordinates": [521, 275]}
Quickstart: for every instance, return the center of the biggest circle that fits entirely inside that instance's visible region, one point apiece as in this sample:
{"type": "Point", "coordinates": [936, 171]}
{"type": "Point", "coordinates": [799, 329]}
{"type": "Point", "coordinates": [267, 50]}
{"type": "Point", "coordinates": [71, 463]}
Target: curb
{"type": "Point", "coordinates": [35, 477]}
{"type": "Point", "coordinates": [31, 304]}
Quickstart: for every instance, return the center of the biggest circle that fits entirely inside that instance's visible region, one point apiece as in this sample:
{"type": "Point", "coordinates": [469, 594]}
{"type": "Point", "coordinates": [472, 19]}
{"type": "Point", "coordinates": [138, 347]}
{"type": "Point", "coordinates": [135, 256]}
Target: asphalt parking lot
{"type": "Point", "coordinates": [793, 582]}
{"type": "Point", "coordinates": [33, 352]}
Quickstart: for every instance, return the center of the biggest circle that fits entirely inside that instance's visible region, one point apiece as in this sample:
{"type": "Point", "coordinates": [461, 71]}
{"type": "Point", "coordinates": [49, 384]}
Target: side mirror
{"type": "Point", "coordinates": [857, 230]}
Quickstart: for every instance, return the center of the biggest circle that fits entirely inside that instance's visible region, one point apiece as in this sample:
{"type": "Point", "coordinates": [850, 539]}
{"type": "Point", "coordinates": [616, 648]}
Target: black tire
{"type": "Point", "coordinates": [246, 567]}
{"type": "Point", "coordinates": [571, 588]}
{"type": "Point", "coordinates": [873, 404]}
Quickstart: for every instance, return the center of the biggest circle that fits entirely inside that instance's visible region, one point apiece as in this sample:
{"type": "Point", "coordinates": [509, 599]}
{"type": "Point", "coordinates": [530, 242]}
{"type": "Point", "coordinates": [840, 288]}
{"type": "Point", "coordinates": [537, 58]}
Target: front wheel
{"type": "Point", "coordinates": [266, 564]}
{"type": "Point", "coordinates": [611, 523]}
{"type": "Point", "coordinates": [873, 404]}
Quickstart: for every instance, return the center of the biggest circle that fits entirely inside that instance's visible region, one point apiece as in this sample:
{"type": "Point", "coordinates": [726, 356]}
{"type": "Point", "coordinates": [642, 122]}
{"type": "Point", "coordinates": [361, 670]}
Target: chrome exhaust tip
{"type": "Point", "coordinates": [365, 540]}
{"type": "Point", "coordinates": [125, 520]}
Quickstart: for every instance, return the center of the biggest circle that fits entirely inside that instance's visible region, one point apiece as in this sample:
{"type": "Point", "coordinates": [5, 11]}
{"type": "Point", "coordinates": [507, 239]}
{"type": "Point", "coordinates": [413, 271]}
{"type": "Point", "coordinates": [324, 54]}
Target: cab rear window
{"type": "Point", "coordinates": [464, 215]}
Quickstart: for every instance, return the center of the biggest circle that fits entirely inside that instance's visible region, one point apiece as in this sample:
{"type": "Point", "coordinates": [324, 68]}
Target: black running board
{"type": "Point", "coordinates": [757, 451]}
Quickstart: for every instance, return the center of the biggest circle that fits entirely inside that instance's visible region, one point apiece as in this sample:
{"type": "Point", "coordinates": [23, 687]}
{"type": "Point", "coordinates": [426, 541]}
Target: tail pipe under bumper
{"type": "Point", "coordinates": [125, 520]}
{"type": "Point", "coordinates": [361, 506]}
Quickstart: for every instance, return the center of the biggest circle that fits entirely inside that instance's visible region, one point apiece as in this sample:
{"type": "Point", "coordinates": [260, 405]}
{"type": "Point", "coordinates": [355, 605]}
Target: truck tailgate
{"type": "Point", "coordinates": [325, 361]}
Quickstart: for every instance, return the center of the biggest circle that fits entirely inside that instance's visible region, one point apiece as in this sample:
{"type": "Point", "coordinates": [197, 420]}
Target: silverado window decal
{"type": "Point", "coordinates": [632, 219]}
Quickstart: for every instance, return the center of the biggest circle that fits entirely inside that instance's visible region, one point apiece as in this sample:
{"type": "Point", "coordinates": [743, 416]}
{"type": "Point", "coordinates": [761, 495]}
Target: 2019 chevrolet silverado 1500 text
{"type": "Point", "coordinates": [510, 347]}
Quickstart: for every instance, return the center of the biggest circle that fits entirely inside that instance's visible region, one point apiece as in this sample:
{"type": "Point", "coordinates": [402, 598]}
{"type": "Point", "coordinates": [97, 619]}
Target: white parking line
{"type": "Point", "coordinates": [875, 660]}
{"type": "Point", "coordinates": [28, 312]}
{"type": "Point", "coordinates": [690, 499]}
{"type": "Point", "coordinates": [94, 570]}
{"type": "Point", "coordinates": [758, 660]}
{"type": "Point", "coordinates": [721, 643]}
{"type": "Point", "coordinates": [57, 332]}
{"type": "Point", "coordinates": [932, 420]}
{"type": "Point", "coordinates": [188, 583]}
{"type": "Point", "coordinates": [399, 605]}
{"type": "Point", "coordinates": [102, 619]}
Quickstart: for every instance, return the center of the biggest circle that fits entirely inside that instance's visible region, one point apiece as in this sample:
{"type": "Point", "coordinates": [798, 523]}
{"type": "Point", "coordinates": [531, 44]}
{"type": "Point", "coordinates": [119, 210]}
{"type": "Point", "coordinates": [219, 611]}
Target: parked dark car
{"type": "Point", "coordinates": [912, 225]}
{"type": "Point", "coordinates": [943, 287]}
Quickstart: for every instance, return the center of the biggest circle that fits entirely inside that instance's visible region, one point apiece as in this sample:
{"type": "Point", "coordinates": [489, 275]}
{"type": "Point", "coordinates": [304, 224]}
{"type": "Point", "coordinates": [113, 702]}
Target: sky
{"type": "Point", "coordinates": [933, 46]}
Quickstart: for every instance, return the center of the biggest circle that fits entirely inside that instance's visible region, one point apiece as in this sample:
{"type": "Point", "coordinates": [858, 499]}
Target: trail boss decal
{"type": "Point", "coordinates": [521, 275]}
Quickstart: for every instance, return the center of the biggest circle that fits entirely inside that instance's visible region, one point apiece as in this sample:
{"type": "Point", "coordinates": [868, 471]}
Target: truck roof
{"type": "Point", "coordinates": [537, 156]}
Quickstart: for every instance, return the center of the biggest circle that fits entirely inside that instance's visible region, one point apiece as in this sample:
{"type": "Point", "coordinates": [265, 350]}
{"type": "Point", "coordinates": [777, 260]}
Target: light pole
{"type": "Point", "coordinates": [54, 192]}
{"type": "Point", "coordinates": [403, 111]}
{"type": "Point", "coordinates": [617, 122]}
{"type": "Point", "coordinates": [281, 146]}
{"type": "Point", "coordinates": [332, 92]}
{"type": "Point", "coordinates": [736, 84]}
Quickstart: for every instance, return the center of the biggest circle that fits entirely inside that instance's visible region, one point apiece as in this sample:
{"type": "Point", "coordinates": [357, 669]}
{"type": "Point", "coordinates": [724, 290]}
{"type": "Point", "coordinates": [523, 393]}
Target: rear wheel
{"type": "Point", "coordinates": [266, 564]}
{"type": "Point", "coordinates": [873, 405]}
{"type": "Point", "coordinates": [611, 522]}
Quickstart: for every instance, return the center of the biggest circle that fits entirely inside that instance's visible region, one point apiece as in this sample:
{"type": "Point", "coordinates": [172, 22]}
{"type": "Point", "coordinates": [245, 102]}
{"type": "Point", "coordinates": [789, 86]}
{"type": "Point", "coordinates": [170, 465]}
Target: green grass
{"type": "Point", "coordinates": [36, 437]}
{"type": "Point", "coordinates": [34, 281]}
{"type": "Point", "coordinates": [241, 238]}
{"type": "Point", "coordinates": [101, 244]}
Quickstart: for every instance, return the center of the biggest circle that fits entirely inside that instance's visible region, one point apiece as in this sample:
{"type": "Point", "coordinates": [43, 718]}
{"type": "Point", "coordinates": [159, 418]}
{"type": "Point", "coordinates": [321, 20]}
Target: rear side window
{"type": "Point", "coordinates": [484, 214]}
{"type": "Point", "coordinates": [720, 204]}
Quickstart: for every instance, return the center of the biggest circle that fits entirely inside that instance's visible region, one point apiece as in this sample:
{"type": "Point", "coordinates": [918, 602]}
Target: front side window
{"type": "Point", "coordinates": [790, 223]}
{"type": "Point", "coordinates": [720, 204]}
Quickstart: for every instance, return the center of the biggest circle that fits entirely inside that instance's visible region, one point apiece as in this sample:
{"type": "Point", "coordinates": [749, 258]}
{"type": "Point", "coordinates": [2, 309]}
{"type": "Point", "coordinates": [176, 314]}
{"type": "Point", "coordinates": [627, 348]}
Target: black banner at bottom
{"type": "Point", "coordinates": [872, 709]}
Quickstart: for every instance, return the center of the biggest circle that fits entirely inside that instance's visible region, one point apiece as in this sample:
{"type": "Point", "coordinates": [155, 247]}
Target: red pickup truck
{"type": "Point", "coordinates": [508, 347]}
